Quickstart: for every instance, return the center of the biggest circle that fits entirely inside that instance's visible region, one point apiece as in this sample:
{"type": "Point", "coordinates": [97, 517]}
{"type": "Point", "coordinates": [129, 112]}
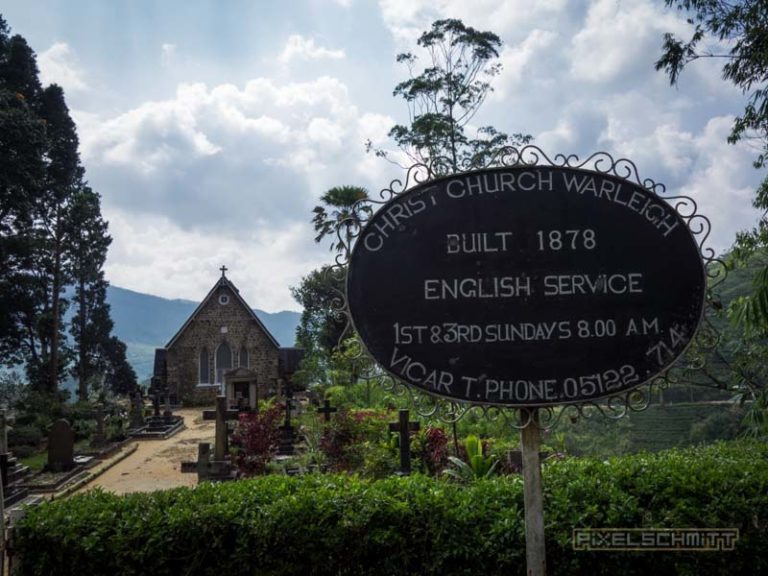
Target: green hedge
{"type": "Point", "coordinates": [339, 525]}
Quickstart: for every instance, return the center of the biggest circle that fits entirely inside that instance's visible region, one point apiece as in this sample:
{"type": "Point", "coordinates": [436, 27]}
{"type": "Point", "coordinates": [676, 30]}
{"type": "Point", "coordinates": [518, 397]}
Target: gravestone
{"type": "Point", "coordinates": [327, 410]}
{"type": "Point", "coordinates": [12, 472]}
{"type": "Point", "coordinates": [203, 461]}
{"type": "Point", "coordinates": [168, 413]}
{"type": "Point", "coordinates": [3, 432]}
{"type": "Point", "coordinates": [61, 447]}
{"type": "Point", "coordinates": [137, 411]}
{"type": "Point", "coordinates": [99, 435]}
{"type": "Point", "coordinates": [156, 403]}
{"type": "Point", "coordinates": [404, 428]}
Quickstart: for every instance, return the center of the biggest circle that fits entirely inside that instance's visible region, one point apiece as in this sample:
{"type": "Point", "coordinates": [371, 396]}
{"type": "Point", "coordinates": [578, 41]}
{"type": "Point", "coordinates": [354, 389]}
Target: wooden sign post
{"type": "Point", "coordinates": [533, 495]}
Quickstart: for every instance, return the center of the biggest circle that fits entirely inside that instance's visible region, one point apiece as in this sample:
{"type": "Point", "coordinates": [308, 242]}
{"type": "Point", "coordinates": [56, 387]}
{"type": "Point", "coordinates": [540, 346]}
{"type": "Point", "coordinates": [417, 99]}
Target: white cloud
{"type": "Point", "coordinates": [580, 77]}
{"type": "Point", "coordinates": [167, 55]}
{"type": "Point", "coordinates": [300, 48]}
{"type": "Point", "coordinates": [59, 65]}
{"type": "Point", "coordinates": [155, 256]}
{"type": "Point", "coordinates": [227, 171]}
{"type": "Point", "coordinates": [229, 161]}
{"type": "Point", "coordinates": [619, 36]}
{"type": "Point", "coordinates": [516, 59]}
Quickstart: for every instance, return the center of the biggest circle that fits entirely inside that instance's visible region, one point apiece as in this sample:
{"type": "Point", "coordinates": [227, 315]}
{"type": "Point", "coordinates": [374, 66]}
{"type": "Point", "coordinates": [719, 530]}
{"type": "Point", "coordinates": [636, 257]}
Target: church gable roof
{"type": "Point", "coordinates": [226, 283]}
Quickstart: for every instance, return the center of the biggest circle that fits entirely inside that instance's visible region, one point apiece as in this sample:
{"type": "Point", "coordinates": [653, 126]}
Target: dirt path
{"type": "Point", "coordinates": [156, 464]}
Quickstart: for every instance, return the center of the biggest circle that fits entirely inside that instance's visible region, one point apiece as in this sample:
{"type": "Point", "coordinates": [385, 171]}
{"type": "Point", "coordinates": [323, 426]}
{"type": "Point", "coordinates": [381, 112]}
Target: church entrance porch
{"type": "Point", "coordinates": [241, 389]}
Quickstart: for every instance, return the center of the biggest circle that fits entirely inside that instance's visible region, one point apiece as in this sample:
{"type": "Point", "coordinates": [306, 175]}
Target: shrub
{"type": "Point", "coordinates": [24, 436]}
{"type": "Point", "coordinates": [342, 525]}
{"type": "Point", "coordinates": [432, 449]}
{"type": "Point", "coordinates": [257, 438]}
{"type": "Point", "coordinates": [344, 439]}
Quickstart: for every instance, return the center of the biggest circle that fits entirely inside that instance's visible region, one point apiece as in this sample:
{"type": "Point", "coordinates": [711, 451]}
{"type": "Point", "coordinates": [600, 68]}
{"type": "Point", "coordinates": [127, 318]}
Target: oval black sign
{"type": "Point", "coordinates": [526, 286]}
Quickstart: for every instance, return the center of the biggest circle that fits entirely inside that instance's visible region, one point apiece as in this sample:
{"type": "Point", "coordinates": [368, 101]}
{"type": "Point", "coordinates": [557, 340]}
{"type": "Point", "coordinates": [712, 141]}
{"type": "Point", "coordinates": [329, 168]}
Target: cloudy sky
{"type": "Point", "coordinates": [211, 128]}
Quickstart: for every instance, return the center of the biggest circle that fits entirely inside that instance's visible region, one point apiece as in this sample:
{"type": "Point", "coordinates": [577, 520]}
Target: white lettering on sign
{"type": "Point", "coordinates": [459, 333]}
{"type": "Point", "coordinates": [414, 371]}
{"type": "Point", "coordinates": [654, 211]}
{"type": "Point", "coordinates": [526, 285]}
{"type": "Point", "coordinates": [391, 219]}
{"type": "Point", "coordinates": [571, 284]}
{"type": "Point", "coordinates": [495, 182]}
{"type": "Point", "coordinates": [469, 288]}
{"type": "Point", "coordinates": [473, 242]}
{"type": "Point", "coordinates": [666, 349]}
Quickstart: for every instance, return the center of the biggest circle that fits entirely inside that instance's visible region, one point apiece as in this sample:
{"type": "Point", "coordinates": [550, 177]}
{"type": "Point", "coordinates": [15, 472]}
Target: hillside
{"type": "Point", "coordinates": [146, 322]}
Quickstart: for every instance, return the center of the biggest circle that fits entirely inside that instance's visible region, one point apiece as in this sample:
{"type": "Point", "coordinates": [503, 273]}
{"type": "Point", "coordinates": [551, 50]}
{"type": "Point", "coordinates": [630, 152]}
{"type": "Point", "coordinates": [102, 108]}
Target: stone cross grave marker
{"type": "Point", "coordinates": [287, 436]}
{"type": "Point", "coordinates": [156, 403]}
{"type": "Point", "coordinates": [61, 446]}
{"type": "Point", "coordinates": [327, 410]}
{"type": "Point", "coordinates": [221, 415]}
{"type": "Point", "coordinates": [404, 428]}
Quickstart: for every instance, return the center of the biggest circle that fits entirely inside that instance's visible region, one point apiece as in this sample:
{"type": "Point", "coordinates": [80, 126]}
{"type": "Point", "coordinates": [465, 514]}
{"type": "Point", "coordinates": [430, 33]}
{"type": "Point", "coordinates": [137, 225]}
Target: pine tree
{"type": "Point", "coordinates": [63, 178]}
{"type": "Point", "coordinates": [120, 376]}
{"type": "Point", "coordinates": [91, 323]}
{"type": "Point", "coordinates": [22, 170]}
{"type": "Point", "coordinates": [52, 236]}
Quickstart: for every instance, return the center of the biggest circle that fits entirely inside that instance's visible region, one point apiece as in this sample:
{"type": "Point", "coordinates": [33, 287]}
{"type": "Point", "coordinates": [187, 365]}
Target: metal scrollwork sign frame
{"type": "Point", "coordinates": [614, 406]}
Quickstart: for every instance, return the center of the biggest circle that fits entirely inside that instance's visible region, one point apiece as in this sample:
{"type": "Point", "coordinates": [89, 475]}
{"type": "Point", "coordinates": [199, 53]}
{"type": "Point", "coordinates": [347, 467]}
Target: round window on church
{"type": "Point", "coordinates": [223, 299]}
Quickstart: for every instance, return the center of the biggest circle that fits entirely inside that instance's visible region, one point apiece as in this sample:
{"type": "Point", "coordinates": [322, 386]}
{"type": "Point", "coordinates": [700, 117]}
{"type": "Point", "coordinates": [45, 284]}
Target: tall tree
{"type": "Point", "coordinates": [322, 324]}
{"type": "Point", "coordinates": [18, 69]}
{"type": "Point", "coordinates": [445, 96]}
{"type": "Point", "coordinates": [52, 235]}
{"type": "Point", "coordinates": [22, 172]}
{"type": "Point", "coordinates": [120, 376]}
{"type": "Point", "coordinates": [91, 323]}
{"type": "Point", "coordinates": [342, 213]}
{"type": "Point", "coordinates": [739, 33]}
{"type": "Point", "coordinates": [63, 179]}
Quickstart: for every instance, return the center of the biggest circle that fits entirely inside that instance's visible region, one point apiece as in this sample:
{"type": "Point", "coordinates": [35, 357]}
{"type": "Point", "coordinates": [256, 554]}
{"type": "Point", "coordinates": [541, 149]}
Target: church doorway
{"type": "Point", "coordinates": [240, 387]}
{"type": "Point", "coordinates": [243, 394]}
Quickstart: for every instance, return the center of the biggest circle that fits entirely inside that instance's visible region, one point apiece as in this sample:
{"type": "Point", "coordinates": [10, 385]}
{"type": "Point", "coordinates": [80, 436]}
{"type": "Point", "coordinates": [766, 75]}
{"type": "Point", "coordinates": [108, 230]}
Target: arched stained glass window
{"type": "Point", "coordinates": [243, 357]}
{"type": "Point", "coordinates": [205, 375]}
{"type": "Point", "coordinates": [223, 361]}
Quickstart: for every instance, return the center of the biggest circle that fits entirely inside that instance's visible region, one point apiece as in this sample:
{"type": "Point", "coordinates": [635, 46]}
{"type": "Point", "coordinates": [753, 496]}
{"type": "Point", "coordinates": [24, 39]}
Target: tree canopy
{"type": "Point", "coordinates": [53, 240]}
{"type": "Point", "coordinates": [737, 34]}
{"type": "Point", "coordinates": [445, 96]}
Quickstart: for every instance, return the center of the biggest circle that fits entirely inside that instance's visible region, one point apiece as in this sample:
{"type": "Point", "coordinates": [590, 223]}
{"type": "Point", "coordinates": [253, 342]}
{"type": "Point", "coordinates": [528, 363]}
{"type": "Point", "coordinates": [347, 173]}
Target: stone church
{"type": "Point", "coordinates": [223, 348]}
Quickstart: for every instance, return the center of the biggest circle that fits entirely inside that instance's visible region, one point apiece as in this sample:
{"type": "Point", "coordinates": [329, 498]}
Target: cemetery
{"type": "Point", "coordinates": [513, 361]}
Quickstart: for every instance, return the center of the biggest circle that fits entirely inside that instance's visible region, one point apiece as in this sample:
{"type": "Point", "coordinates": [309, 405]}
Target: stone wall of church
{"type": "Point", "coordinates": [214, 324]}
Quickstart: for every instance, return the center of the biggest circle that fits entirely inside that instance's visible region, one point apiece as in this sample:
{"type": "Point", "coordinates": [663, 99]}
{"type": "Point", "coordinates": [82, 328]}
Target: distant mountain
{"type": "Point", "coordinates": [146, 322]}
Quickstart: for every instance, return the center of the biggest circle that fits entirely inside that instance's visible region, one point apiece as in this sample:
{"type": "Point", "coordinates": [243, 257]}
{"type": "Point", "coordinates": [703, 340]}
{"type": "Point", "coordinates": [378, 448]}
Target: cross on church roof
{"type": "Point", "coordinates": [223, 270]}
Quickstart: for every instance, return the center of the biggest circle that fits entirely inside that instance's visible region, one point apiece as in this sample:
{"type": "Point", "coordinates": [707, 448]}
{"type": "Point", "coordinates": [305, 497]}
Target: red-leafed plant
{"type": "Point", "coordinates": [434, 450]}
{"type": "Point", "coordinates": [345, 438]}
{"type": "Point", "coordinates": [257, 438]}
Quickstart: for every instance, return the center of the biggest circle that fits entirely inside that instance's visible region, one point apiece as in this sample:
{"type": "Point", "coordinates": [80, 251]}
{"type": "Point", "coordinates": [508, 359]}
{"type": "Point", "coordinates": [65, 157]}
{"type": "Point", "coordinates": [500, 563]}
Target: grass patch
{"type": "Point", "coordinates": [36, 462]}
